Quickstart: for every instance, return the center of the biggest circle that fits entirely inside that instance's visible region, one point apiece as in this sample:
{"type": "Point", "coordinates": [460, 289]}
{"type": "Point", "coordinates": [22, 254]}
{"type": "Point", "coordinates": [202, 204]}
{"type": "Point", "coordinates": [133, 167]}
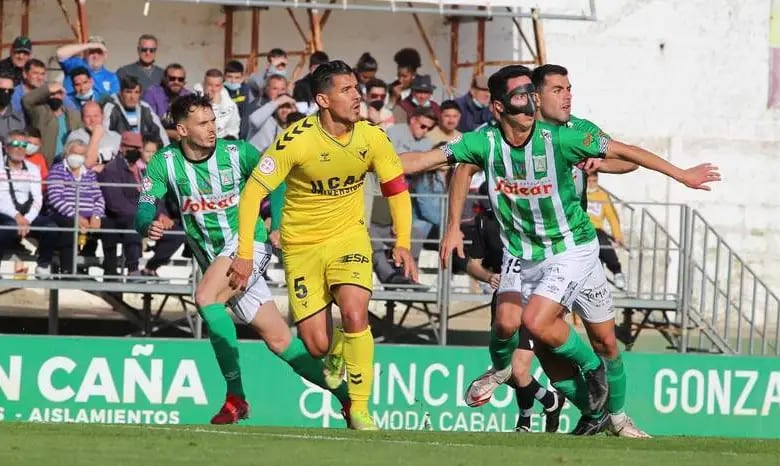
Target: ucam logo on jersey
{"type": "Point", "coordinates": [201, 204]}
{"type": "Point", "coordinates": [525, 188]}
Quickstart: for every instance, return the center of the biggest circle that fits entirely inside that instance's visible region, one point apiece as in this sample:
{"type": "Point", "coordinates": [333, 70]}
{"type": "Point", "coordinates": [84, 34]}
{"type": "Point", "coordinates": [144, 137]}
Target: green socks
{"type": "Point", "coordinates": [576, 391]}
{"type": "Point", "coordinates": [501, 350]}
{"type": "Point", "coordinates": [576, 350]}
{"type": "Point", "coordinates": [309, 368]}
{"type": "Point", "coordinates": [222, 333]}
{"type": "Point", "coordinates": [616, 376]}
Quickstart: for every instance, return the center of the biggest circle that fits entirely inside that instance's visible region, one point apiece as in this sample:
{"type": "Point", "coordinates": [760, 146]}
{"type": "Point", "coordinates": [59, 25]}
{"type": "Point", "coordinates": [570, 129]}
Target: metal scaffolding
{"type": "Point", "coordinates": [78, 25]}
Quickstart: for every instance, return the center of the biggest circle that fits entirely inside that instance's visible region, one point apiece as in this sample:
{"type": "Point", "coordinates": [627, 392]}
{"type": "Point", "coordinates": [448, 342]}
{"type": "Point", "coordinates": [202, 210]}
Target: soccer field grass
{"type": "Point", "coordinates": [91, 444]}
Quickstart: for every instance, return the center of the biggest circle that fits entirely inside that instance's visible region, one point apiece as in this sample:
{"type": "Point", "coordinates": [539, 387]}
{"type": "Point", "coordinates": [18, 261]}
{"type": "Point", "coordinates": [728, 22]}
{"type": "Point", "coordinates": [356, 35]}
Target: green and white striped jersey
{"type": "Point", "coordinates": [531, 187]}
{"type": "Point", "coordinates": [207, 192]}
{"type": "Point", "coordinates": [580, 177]}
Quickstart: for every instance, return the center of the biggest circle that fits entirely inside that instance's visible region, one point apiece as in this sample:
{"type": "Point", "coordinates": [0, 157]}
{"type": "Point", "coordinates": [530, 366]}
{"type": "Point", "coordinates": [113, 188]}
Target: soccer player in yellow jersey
{"type": "Point", "coordinates": [327, 251]}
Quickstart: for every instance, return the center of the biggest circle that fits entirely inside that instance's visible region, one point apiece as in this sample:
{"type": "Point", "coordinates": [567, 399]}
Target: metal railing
{"type": "Point", "coordinates": [674, 262]}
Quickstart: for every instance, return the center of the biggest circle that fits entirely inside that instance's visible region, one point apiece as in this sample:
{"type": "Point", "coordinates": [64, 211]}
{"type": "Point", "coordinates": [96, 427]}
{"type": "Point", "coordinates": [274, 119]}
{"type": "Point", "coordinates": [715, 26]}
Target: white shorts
{"type": "Point", "coordinates": [575, 278]}
{"type": "Point", "coordinates": [246, 304]}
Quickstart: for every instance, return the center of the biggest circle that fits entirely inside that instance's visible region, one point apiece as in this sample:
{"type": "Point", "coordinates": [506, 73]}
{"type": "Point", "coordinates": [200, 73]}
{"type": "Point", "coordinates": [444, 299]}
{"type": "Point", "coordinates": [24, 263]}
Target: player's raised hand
{"type": "Point", "coordinates": [403, 257]}
{"type": "Point", "coordinates": [452, 241]}
{"type": "Point", "coordinates": [697, 177]}
{"type": "Point", "coordinates": [239, 272]}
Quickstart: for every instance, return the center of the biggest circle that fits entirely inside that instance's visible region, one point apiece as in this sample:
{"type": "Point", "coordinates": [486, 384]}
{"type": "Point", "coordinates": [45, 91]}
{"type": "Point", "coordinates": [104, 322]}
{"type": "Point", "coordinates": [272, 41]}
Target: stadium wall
{"type": "Point", "coordinates": [121, 380]}
{"type": "Point", "coordinates": [687, 79]}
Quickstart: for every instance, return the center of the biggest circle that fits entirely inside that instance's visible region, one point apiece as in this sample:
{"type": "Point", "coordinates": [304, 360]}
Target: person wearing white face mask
{"type": "Point", "coordinates": [65, 179]}
{"type": "Point", "coordinates": [20, 204]}
{"type": "Point", "coordinates": [34, 154]}
{"type": "Point", "coordinates": [84, 89]}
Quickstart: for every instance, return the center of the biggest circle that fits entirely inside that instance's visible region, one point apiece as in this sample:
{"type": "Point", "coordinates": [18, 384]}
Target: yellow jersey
{"type": "Point", "coordinates": [325, 178]}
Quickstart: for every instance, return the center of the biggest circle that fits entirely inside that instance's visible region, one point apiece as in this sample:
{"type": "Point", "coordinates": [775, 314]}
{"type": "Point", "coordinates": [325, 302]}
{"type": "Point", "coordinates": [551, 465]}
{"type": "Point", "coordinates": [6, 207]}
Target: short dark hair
{"type": "Point", "coordinates": [318, 58]}
{"type": "Point", "coordinates": [322, 78]}
{"type": "Point", "coordinates": [16, 132]}
{"type": "Point", "coordinates": [143, 37]}
{"type": "Point", "coordinates": [33, 62]}
{"type": "Point", "coordinates": [78, 71]}
{"type": "Point", "coordinates": [128, 82]}
{"type": "Point", "coordinates": [146, 139]}
{"type": "Point", "coordinates": [497, 82]}
{"type": "Point", "coordinates": [367, 63]}
{"type": "Point", "coordinates": [372, 83]}
{"type": "Point", "coordinates": [214, 73]}
{"type": "Point", "coordinates": [426, 112]}
{"type": "Point", "coordinates": [234, 66]}
{"type": "Point", "coordinates": [276, 52]}
{"type": "Point", "coordinates": [6, 74]}
{"type": "Point", "coordinates": [183, 105]}
{"type": "Point", "coordinates": [408, 58]}
{"type": "Point", "coordinates": [173, 66]}
{"type": "Point", "coordinates": [449, 105]}
{"type": "Point", "coordinates": [541, 72]}
{"type": "Point", "coordinates": [33, 132]}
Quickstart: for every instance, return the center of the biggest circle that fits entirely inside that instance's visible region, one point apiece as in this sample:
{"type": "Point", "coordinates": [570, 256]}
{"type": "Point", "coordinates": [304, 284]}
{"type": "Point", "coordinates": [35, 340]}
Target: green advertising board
{"type": "Point", "coordinates": [155, 381]}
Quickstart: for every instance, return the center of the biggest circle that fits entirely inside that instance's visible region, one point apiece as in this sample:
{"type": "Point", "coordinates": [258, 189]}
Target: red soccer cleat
{"type": "Point", "coordinates": [234, 409]}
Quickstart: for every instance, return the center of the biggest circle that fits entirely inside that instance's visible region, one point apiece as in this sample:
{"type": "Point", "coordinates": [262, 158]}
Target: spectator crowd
{"type": "Point", "coordinates": [96, 129]}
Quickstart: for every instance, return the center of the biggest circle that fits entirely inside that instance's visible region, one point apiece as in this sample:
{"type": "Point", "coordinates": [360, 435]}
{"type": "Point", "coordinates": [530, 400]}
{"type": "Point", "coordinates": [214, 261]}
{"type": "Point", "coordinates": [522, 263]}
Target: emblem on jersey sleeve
{"type": "Point", "coordinates": [232, 149]}
{"type": "Point", "coordinates": [168, 154]}
{"type": "Point", "coordinates": [588, 140]}
{"type": "Point", "coordinates": [146, 184]}
{"type": "Point", "coordinates": [267, 165]}
{"type": "Point", "coordinates": [547, 135]}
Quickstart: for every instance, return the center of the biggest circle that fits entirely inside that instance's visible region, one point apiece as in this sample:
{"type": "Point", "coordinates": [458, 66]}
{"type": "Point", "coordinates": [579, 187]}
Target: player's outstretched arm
{"type": "Point", "coordinates": [695, 177]}
{"type": "Point", "coordinates": [617, 166]}
{"type": "Point", "coordinates": [459, 189]}
{"type": "Point", "coordinates": [419, 162]}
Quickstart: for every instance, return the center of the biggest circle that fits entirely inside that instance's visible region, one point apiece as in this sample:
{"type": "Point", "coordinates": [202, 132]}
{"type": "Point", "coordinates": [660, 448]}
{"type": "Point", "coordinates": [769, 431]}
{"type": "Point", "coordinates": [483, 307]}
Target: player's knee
{"type": "Point", "coordinates": [316, 344]}
{"type": "Point", "coordinates": [606, 345]}
{"type": "Point", "coordinates": [504, 327]}
{"type": "Point", "coordinates": [533, 321]}
{"type": "Point", "coordinates": [204, 297]}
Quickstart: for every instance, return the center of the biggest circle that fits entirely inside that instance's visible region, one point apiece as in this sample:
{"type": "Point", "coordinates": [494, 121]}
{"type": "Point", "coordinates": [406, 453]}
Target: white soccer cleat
{"type": "Point", "coordinates": [481, 390]}
{"type": "Point", "coordinates": [622, 426]}
{"type": "Point", "coordinates": [620, 281]}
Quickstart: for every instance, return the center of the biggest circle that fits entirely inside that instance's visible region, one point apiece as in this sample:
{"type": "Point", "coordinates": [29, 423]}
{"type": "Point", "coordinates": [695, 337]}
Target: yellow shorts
{"type": "Point", "coordinates": [312, 271]}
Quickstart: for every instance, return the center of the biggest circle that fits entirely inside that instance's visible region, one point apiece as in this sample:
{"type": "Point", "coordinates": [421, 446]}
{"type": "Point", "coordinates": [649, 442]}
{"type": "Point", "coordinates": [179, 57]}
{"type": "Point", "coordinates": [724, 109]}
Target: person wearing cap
{"type": "Point", "coordinates": [21, 49]}
{"type": "Point", "coordinates": [422, 91]}
{"type": "Point", "coordinates": [122, 204]}
{"type": "Point", "coordinates": [91, 56]}
{"type": "Point", "coordinates": [474, 105]}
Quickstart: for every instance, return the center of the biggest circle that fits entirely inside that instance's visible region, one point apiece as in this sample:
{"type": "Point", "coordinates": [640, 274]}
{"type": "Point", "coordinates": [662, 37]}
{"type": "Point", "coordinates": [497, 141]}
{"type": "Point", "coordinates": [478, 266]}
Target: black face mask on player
{"type": "Point", "coordinates": [529, 108]}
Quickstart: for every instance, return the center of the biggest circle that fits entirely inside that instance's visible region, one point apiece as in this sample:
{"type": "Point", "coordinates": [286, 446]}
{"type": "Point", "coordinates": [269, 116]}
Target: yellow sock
{"type": "Point", "coordinates": [337, 342]}
{"type": "Point", "coordinates": [359, 358]}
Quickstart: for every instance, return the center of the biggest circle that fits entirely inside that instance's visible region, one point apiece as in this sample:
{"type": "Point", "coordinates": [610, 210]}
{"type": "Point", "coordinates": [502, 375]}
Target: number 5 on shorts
{"type": "Point", "coordinates": [300, 289]}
